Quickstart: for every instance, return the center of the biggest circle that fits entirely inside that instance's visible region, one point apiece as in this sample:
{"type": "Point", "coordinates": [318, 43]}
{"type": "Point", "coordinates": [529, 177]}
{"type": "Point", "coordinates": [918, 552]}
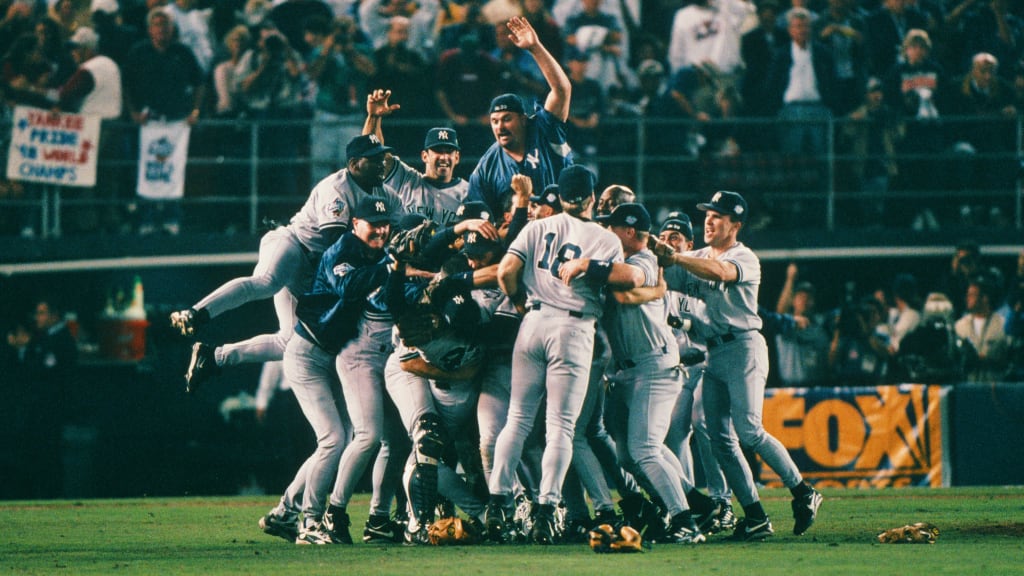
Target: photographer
{"type": "Point", "coordinates": [269, 85]}
{"type": "Point", "coordinates": [340, 65]}
{"type": "Point", "coordinates": [859, 354]}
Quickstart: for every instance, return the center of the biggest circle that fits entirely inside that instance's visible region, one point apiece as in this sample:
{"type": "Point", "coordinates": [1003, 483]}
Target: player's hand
{"type": "Point", "coordinates": [521, 33]}
{"type": "Point", "coordinates": [792, 271]}
{"type": "Point", "coordinates": [483, 227]}
{"type": "Point", "coordinates": [377, 103]}
{"type": "Point", "coordinates": [572, 269]}
{"type": "Point", "coordinates": [522, 188]}
{"type": "Point", "coordinates": [663, 250]}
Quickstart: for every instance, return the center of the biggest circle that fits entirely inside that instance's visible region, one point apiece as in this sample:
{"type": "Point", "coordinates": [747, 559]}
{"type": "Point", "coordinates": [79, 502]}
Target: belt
{"type": "Point", "coordinates": [715, 341]}
{"type": "Point", "coordinates": [575, 314]}
{"type": "Point", "coordinates": [630, 363]}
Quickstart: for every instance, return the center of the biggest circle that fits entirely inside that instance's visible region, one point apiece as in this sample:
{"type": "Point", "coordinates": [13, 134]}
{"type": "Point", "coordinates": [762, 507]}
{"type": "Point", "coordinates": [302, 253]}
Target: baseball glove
{"type": "Point", "coordinates": [604, 539]}
{"type": "Point", "coordinates": [406, 246]}
{"type": "Point", "coordinates": [453, 532]}
{"type": "Point", "coordinates": [918, 533]}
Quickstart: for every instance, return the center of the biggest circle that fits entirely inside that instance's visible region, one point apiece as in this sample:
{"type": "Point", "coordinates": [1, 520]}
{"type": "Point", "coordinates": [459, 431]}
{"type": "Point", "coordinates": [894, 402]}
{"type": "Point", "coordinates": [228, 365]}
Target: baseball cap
{"type": "Point", "coordinates": [507, 103]}
{"type": "Point", "coordinates": [475, 245]}
{"type": "Point", "coordinates": [461, 311]}
{"type": "Point", "coordinates": [549, 197]}
{"type": "Point", "coordinates": [729, 203]}
{"type": "Point", "coordinates": [630, 214]}
{"type": "Point", "coordinates": [85, 37]}
{"type": "Point", "coordinates": [576, 183]}
{"type": "Point", "coordinates": [441, 137]}
{"type": "Point", "coordinates": [373, 209]}
{"type": "Point", "coordinates": [473, 209]}
{"type": "Point", "coordinates": [365, 146]}
{"type": "Point", "coordinates": [678, 222]}
{"type": "Point", "coordinates": [107, 6]}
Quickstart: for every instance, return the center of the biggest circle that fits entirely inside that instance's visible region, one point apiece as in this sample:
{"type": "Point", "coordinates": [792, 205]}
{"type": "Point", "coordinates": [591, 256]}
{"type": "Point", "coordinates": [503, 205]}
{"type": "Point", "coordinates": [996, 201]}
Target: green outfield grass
{"type": "Point", "coordinates": [982, 532]}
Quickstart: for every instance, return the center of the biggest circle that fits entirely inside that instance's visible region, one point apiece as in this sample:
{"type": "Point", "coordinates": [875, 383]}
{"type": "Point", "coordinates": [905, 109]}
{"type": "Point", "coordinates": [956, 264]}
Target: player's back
{"type": "Point", "coordinates": [544, 244]}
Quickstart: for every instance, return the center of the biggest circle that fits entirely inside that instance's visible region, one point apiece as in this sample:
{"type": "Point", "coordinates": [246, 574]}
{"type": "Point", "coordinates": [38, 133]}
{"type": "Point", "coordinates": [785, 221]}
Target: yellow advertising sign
{"type": "Point", "coordinates": [884, 436]}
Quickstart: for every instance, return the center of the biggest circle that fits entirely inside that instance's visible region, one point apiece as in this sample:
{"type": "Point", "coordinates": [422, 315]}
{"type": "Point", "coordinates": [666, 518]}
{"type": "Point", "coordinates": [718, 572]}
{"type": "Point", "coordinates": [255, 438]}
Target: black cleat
{"type": "Point", "coordinates": [201, 367]}
{"type": "Point", "coordinates": [280, 526]}
{"type": "Point", "coordinates": [381, 530]}
{"type": "Point", "coordinates": [726, 519]}
{"type": "Point", "coordinates": [498, 520]}
{"type": "Point", "coordinates": [805, 510]}
{"type": "Point", "coordinates": [683, 530]}
{"type": "Point", "coordinates": [336, 525]}
{"type": "Point", "coordinates": [749, 530]}
{"type": "Point", "coordinates": [544, 525]}
{"type": "Point", "coordinates": [186, 321]}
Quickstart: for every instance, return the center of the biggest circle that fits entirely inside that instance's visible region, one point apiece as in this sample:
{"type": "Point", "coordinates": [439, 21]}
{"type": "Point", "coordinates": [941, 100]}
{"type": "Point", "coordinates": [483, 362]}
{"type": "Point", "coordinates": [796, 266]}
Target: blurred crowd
{"type": "Point", "coordinates": [968, 328]}
{"type": "Point", "coordinates": [893, 70]}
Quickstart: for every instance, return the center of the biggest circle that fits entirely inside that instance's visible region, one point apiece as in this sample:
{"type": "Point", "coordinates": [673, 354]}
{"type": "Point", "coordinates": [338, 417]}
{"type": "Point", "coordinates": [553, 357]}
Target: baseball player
{"type": "Point", "coordinates": [726, 275]}
{"type": "Point", "coordinates": [554, 346]}
{"type": "Point", "coordinates": [531, 145]}
{"type": "Point", "coordinates": [612, 196]}
{"type": "Point", "coordinates": [545, 204]}
{"type": "Point", "coordinates": [437, 193]}
{"type": "Point", "coordinates": [288, 257]}
{"type": "Point", "coordinates": [645, 373]}
{"type": "Point", "coordinates": [350, 270]}
{"type": "Point", "coordinates": [688, 319]}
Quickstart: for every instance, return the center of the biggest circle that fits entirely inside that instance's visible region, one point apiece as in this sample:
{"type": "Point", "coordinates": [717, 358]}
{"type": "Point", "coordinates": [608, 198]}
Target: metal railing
{"type": "Point", "coordinates": [233, 181]}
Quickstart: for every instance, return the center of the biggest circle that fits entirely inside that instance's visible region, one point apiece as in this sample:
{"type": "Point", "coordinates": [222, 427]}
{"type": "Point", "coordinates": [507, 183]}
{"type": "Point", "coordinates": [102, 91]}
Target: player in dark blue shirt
{"type": "Point", "coordinates": [531, 145]}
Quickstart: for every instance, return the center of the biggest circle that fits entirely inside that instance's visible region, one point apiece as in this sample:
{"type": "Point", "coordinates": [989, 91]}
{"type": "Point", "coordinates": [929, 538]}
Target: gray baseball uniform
{"type": "Point", "coordinates": [736, 373]}
{"type": "Point", "coordinates": [437, 203]}
{"type": "Point", "coordinates": [554, 347]}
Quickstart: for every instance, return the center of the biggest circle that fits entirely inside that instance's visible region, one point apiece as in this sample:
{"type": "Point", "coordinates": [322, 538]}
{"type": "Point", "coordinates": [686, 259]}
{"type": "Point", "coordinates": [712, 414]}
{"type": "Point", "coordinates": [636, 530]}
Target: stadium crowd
{"type": "Point", "coordinates": [889, 70]}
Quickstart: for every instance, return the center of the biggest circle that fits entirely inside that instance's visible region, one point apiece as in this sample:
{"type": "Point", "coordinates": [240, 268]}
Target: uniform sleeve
{"type": "Point", "coordinates": [748, 267]}
{"type": "Point", "coordinates": [648, 263]}
{"type": "Point", "coordinates": [553, 129]}
{"type": "Point", "coordinates": [481, 185]}
{"type": "Point", "coordinates": [522, 245]}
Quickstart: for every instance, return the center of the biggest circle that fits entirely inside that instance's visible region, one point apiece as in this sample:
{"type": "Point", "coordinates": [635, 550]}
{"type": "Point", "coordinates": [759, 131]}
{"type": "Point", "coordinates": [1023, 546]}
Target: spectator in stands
{"type": "Point", "coordinates": [964, 264]}
{"type": "Point", "coordinates": [987, 140]}
{"type": "Point", "coordinates": [520, 74]}
{"type": "Point", "coordinates": [912, 91]}
{"type": "Point", "coordinates": [340, 66]}
{"type": "Point", "coordinates": [499, 11]}
{"type": "Point", "coordinates": [692, 97]}
{"type": "Point", "coordinates": [403, 71]}
{"type": "Point", "coordinates": [782, 19]}
{"type": "Point", "coordinates": [63, 13]}
{"type": "Point", "coordinates": [985, 329]}
{"type": "Point", "coordinates": [116, 37]}
{"type": "Point", "coordinates": [756, 48]}
{"type": "Point", "coordinates": [598, 35]}
{"type": "Point", "coordinates": [51, 43]}
{"type": "Point", "coordinates": [801, 346]}
{"type": "Point", "coordinates": [586, 107]}
{"type": "Point", "coordinates": [859, 354]}
{"type": "Point", "coordinates": [162, 81]}
{"type": "Point", "coordinates": [870, 138]}
{"type": "Point", "coordinates": [375, 18]}
{"type": "Point", "coordinates": [472, 24]}
{"type": "Point", "coordinates": [707, 33]}
{"type": "Point", "coordinates": [468, 78]}
{"type": "Point", "coordinates": [842, 30]}
{"type": "Point", "coordinates": [193, 26]}
{"type": "Point", "coordinates": [95, 90]}
{"type": "Point", "coordinates": [236, 43]}
{"type": "Point", "coordinates": [548, 31]}
{"type": "Point", "coordinates": [904, 316]}
{"type": "Point", "coordinates": [992, 29]}
{"type": "Point", "coordinates": [18, 20]}
{"type": "Point", "coordinates": [725, 137]}
{"type": "Point", "coordinates": [801, 87]}
{"type": "Point", "coordinates": [885, 31]}
{"type": "Point", "coordinates": [290, 17]}
{"type": "Point", "coordinates": [269, 82]}
{"type": "Point", "coordinates": [932, 353]}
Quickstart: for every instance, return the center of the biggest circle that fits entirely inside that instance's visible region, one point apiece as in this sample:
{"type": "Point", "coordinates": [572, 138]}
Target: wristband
{"type": "Point", "coordinates": [598, 271]}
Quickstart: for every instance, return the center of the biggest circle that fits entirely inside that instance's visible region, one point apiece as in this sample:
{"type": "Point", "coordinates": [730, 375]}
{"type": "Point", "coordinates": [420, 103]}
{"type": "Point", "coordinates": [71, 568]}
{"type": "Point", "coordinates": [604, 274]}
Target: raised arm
{"type": "Point", "coordinates": [522, 34]}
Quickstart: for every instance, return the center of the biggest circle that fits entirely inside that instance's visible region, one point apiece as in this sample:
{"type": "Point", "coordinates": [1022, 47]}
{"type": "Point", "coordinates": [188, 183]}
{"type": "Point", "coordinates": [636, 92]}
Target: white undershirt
{"type": "Point", "coordinates": [803, 86]}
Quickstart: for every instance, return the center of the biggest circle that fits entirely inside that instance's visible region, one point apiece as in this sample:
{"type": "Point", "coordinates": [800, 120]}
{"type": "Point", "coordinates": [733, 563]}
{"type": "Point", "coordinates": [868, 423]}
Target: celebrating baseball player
{"type": "Point", "coordinates": [531, 145]}
{"type": "Point", "coordinates": [288, 257]}
{"type": "Point", "coordinates": [351, 269]}
{"type": "Point", "coordinates": [554, 347]}
{"type": "Point", "coordinates": [726, 275]}
{"type": "Point", "coordinates": [437, 193]}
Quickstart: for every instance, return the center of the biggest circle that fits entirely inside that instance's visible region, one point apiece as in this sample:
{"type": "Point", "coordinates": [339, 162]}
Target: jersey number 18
{"type": "Point", "coordinates": [551, 260]}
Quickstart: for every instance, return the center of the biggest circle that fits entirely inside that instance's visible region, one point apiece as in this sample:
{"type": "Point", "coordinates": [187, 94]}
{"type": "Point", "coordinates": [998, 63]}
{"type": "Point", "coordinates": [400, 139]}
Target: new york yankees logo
{"type": "Point", "coordinates": [533, 159]}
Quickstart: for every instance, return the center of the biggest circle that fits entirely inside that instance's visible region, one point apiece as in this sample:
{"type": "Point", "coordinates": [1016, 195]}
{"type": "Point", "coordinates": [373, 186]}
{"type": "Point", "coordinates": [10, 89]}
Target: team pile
{"type": "Point", "coordinates": [512, 346]}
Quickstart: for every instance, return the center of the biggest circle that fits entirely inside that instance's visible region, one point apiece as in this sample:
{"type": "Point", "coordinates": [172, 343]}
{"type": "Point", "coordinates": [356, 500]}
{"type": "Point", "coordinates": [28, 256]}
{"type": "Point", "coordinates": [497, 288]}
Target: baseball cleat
{"type": "Point", "coordinates": [608, 517]}
{"type": "Point", "coordinates": [186, 321]}
{"type": "Point", "coordinates": [201, 367]}
{"type": "Point", "coordinates": [726, 519]}
{"type": "Point", "coordinates": [544, 525]}
{"type": "Point", "coordinates": [805, 510]}
{"type": "Point", "coordinates": [578, 530]}
{"type": "Point", "coordinates": [280, 526]}
{"type": "Point", "coordinates": [313, 535]}
{"type": "Point", "coordinates": [683, 530]}
{"type": "Point", "coordinates": [748, 530]}
{"type": "Point", "coordinates": [420, 537]}
{"type": "Point", "coordinates": [637, 511]}
{"type": "Point", "coordinates": [707, 522]}
{"type": "Point", "coordinates": [381, 530]}
{"type": "Point", "coordinates": [335, 524]}
{"type": "Point", "coordinates": [522, 519]}
{"type": "Point", "coordinates": [498, 521]}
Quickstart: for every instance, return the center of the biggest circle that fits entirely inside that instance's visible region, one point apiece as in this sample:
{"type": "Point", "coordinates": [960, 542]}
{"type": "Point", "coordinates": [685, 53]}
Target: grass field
{"type": "Point", "coordinates": [982, 532]}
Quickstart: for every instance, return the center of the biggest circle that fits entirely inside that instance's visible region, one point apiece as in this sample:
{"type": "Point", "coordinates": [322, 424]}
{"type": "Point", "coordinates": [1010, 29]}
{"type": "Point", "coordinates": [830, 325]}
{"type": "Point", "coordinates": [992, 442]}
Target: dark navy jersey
{"type": "Point", "coordinates": [546, 154]}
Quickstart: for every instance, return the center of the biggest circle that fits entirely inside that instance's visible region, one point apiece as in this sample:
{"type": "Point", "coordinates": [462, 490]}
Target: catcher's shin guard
{"type": "Point", "coordinates": [421, 485]}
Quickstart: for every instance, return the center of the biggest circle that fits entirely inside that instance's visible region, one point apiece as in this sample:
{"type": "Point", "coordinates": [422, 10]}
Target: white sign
{"type": "Point", "coordinates": [53, 147]}
{"type": "Point", "coordinates": [163, 151]}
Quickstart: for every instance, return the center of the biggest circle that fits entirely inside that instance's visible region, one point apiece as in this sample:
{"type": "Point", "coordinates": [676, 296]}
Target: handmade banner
{"type": "Point", "coordinates": [53, 147]}
{"type": "Point", "coordinates": [163, 150]}
{"type": "Point", "coordinates": [884, 436]}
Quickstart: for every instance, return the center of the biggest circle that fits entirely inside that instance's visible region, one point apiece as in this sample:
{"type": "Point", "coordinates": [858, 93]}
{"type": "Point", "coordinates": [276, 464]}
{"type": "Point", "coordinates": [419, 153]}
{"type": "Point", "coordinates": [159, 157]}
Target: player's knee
{"type": "Point", "coordinates": [430, 439]}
